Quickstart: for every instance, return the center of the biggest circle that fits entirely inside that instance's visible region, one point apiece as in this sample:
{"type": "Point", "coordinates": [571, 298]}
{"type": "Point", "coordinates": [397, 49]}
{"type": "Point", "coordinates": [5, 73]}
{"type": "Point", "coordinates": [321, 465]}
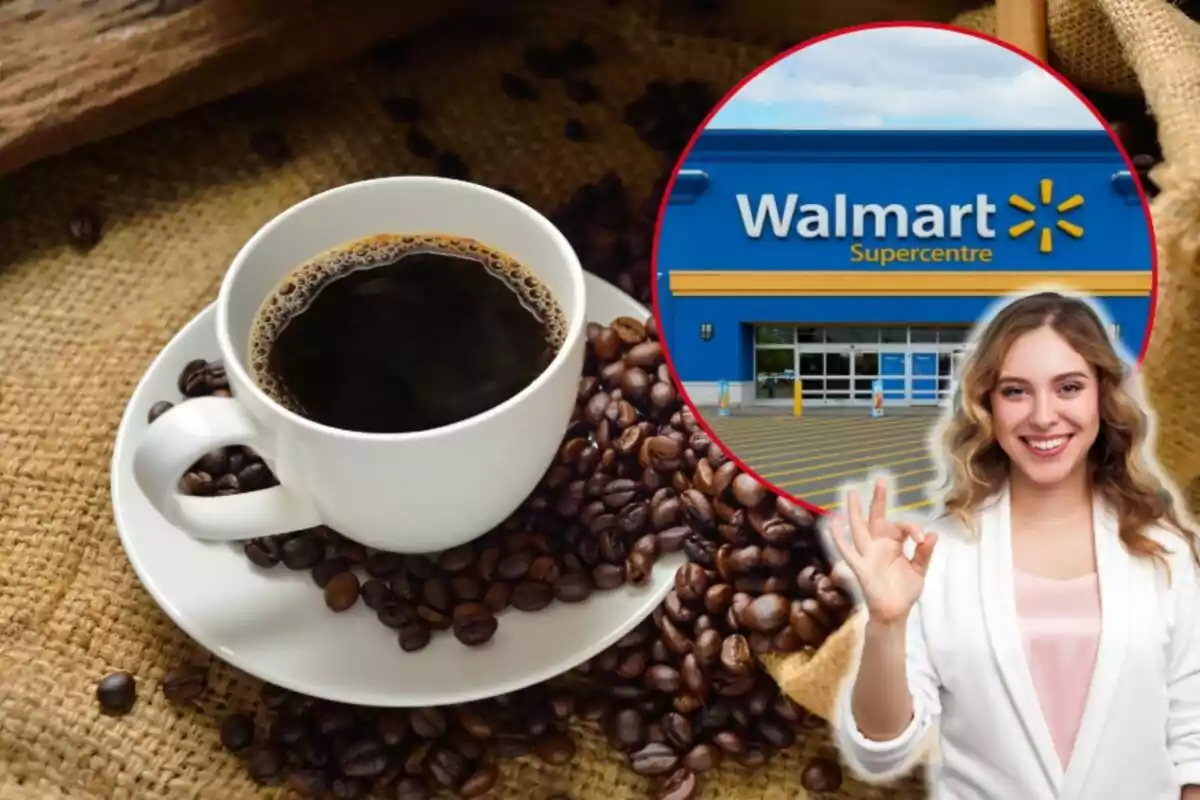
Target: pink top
{"type": "Point", "coordinates": [1060, 626]}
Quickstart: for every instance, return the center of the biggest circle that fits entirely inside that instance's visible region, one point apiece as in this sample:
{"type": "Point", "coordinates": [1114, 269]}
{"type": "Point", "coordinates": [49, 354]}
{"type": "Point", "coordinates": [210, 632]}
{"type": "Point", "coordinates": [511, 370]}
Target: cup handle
{"type": "Point", "coordinates": [177, 439]}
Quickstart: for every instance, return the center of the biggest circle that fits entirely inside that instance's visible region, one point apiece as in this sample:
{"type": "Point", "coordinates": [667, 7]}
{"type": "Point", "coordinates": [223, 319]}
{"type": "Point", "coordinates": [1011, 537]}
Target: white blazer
{"type": "Point", "coordinates": [1140, 734]}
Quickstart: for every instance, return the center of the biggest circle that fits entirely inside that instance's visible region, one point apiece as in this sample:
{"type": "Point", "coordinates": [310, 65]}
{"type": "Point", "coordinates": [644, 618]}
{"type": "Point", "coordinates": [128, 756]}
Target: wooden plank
{"type": "Point", "coordinates": [72, 71]}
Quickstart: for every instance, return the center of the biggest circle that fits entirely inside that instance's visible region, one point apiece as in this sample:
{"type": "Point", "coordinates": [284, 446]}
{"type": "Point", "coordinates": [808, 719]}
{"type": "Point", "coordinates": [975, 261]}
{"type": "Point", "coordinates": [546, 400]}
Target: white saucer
{"type": "Point", "coordinates": [274, 624]}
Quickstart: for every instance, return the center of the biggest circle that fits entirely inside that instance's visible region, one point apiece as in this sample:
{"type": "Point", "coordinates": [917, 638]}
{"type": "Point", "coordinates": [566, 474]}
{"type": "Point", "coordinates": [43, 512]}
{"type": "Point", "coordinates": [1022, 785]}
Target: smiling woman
{"type": "Point", "coordinates": [1048, 620]}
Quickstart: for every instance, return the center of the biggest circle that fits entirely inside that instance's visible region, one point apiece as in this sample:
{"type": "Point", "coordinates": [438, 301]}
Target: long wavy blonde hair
{"type": "Point", "coordinates": [1122, 473]}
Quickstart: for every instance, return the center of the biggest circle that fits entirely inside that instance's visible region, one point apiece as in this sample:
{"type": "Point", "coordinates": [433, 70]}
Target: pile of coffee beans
{"type": "Point", "coordinates": [323, 749]}
{"type": "Point", "coordinates": [636, 477]}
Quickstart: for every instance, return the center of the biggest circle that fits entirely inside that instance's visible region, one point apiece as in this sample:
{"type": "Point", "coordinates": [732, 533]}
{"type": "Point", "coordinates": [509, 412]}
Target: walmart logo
{"type": "Point", "coordinates": [1046, 235]}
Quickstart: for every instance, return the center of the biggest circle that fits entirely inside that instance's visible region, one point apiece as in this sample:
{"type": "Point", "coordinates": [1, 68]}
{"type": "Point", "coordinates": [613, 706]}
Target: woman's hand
{"type": "Point", "coordinates": [889, 580]}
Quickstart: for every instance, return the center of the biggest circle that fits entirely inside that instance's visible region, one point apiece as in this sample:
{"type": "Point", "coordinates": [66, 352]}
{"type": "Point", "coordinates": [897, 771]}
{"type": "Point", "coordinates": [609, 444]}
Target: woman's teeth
{"type": "Point", "coordinates": [1047, 444]}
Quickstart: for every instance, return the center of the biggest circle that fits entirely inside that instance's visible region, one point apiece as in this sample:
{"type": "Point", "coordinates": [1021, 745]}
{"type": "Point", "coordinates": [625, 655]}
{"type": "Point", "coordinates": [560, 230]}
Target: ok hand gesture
{"type": "Point", "coordinates": [889, 580]}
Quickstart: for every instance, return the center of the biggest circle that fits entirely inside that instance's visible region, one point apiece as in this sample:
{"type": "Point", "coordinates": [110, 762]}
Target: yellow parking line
{"type": "Point", "coordinates": [865, 446]}
{"type": "Point", "coordinates": [906, 450]}
{"type": "Point", "coordinates": [771, 458]}
{"type": "Point", "coordinates": [817, 426]}
{"type": "Point", "coordinates": [912, 506]}
{"type": "Point", "coordinates": [895, 492]}
{"type": "Point", "coordinates": [858, 471]}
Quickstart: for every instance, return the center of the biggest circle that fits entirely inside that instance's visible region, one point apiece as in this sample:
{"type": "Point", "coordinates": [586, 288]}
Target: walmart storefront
{"type": "Point", "coordinates": [845, 257]}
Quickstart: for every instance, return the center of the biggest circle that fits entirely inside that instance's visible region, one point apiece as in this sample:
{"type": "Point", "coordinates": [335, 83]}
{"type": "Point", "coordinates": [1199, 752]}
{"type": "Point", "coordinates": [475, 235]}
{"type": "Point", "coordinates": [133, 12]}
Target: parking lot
{"type": "Point", "coordinates": [810, 457]}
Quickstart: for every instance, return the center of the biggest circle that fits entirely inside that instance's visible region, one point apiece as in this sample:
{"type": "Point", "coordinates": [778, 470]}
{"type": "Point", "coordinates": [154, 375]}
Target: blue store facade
{"type": "Point", "coordinates": [850, 256]}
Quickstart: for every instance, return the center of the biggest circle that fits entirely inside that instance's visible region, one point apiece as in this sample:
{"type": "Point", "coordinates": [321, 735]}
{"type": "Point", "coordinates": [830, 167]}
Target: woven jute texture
{"type": "Point", "coordinates": [178, 199]}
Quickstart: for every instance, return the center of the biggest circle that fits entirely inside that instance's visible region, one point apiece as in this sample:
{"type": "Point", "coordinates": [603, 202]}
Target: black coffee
{"type": "Point", "coordinates": [404, 333]}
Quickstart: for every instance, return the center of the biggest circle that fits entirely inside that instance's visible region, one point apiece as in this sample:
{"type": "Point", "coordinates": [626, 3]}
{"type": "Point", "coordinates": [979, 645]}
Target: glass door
{"type": "Point", "coordinates": [839, 377]}
{"type": "Point", "coordinates": [866, 372]}
{"type": "Point", "coordinates": [810, 367]}
{"type": "Point", "coordinates": [775, 374]}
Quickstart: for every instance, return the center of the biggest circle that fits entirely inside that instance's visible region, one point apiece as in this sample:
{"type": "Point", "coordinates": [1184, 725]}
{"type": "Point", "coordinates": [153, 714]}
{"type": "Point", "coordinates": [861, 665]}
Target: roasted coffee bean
{"type": "Point", "coordinates": [573, 587]}
{"type": "Point", "coordinates": [341, 592]}
{"type": "Point", "coordinates": [158, 409]}
{"type": "Point", "coordinates": [185, 684]}
{"type": "Point", "coordinates": [253, 477]}
{"type": "Point", "coordinates": [702, 758]}
{"type": "Point", "coordinates": [474, 624]}
{"type": "Point", "coordinates": [383, 565]}
{"type": "Point", "coordinates": [681, 785]}
{"type": "Point", "coordinates": [631, 331]}
{"type": "Point", "coordinates": [678, 730]}
{"type": "Point", "coordinates": [518, 88]}
{"type": "Point", "coordinates": [401, 109]}
{"type": "Point", "coordinates": [303, 551]}
{"type": "Point", "coordinates": [653, 759]}
{"type": "Point", "coordinates": [265, 765]}
{"type": "Point", "coordinates": [748, 491]}
{"type": "Point", "coordinates": [261, 553]}
{"type": "Point", "coordinates": [428, 723]}
{"type": "Point", "coordinates": [638, 566]}
{"type": "Point", "coordinates": [691, 671]}
{"type": "Point", "coordinates": [729, 741]}
{"type": "Point", "coordinates": [436, 594]}
{"type": "Point", "coordinates": [411, 789]}
{"type": "Point", "coordinates": [627, 729]}
{"type": "Point", "coordinates": [327, 570]}
{"type": "Point", "coordinates": [83, 228]}
{"type": "Point", "coordinates": [197, 484]}
{"type": "Point", "coordinates": [691, 583]}
{"type": "Point", "coordinates": [555, 748]}
{"type": "Point", "coordinates": [419, 144]}
{"type": "Point", "coordinates": [434, 619]}
{"type": "Point", "coordinates": [765, 614]}
{"type": "Point", "coordinates": [375, 594]}
{"type": "Point", "coordinates": [116, 693]}
{"type": "Point", "coordinates": [449, 768]}
{"type": "Point", "coordinates": [803, 621]}
{"type": "Point", "coordinates": [451, 165]}
{"type": "Point", "coordinates": [497, 597]}
{"type": "Point", "coordinates": [414, 636]}
{"type": "Point", "coordinates": [822, 775]}
{"type": "Point", "coordinates": [515, 566]}
{"type": "Point", "coordinates": [480, 782]}
{"type": "Point", "coordinates": [532, 596]}
{"type": "Point", "coordinates": [574, 130]}
{"type": "Point", "coordinates": [608, 576]}
{"type": "Point", "coordinates": [365, 758]}
{"type": "Point", "coordinates": [308, 782]}
{"type": "Point", "coordinates": [395, 613]}
{"type": "Point", "coordinates": [663, 678]}
{"type": "Point", "coordinates": [578, 54]}
{"type": "Point", "coordinates": [237, 732]}
{"type": "Point", "coordinates": [736, 657]}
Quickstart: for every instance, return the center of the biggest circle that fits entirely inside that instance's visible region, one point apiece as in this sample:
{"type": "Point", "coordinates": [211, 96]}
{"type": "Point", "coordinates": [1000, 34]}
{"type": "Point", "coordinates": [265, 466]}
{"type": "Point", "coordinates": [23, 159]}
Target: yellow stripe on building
{"type": "Point", "coordinates": [903, 283]}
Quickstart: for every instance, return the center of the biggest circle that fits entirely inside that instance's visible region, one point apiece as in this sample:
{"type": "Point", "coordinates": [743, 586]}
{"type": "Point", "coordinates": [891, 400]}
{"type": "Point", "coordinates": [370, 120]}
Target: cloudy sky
{"type": "Point", "coordinates": [904, 78]}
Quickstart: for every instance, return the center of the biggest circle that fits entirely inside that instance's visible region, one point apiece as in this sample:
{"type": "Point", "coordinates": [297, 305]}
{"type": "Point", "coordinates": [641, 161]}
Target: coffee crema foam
{"type": "Point", "coordinates": [296, 292]}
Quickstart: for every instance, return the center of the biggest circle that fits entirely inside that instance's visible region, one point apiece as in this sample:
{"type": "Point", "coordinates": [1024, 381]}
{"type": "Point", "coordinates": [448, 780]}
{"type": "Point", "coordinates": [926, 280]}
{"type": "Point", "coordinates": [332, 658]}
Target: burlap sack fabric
{"type": "Point", "coordinates": [179, 198]}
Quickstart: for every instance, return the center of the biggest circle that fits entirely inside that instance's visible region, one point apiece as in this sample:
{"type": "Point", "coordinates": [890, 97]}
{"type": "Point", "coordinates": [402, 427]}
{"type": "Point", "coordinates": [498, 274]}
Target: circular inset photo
{"type": "Point", "coordinates": [845, 219]}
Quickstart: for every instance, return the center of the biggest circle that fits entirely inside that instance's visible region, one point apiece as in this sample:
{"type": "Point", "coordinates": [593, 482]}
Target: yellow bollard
{"type": "Point", "coordinates": [797, 400]}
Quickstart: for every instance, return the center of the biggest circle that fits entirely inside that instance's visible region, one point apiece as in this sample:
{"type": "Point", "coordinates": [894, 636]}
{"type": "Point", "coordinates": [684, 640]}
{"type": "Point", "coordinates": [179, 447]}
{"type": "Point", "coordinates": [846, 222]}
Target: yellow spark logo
{"type": "Point", "coordinates": [1046, 245]}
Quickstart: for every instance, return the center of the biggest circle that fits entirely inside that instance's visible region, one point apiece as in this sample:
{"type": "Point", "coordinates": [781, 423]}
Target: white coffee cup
{"type": "Point", "coordinates": [405, 492]}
